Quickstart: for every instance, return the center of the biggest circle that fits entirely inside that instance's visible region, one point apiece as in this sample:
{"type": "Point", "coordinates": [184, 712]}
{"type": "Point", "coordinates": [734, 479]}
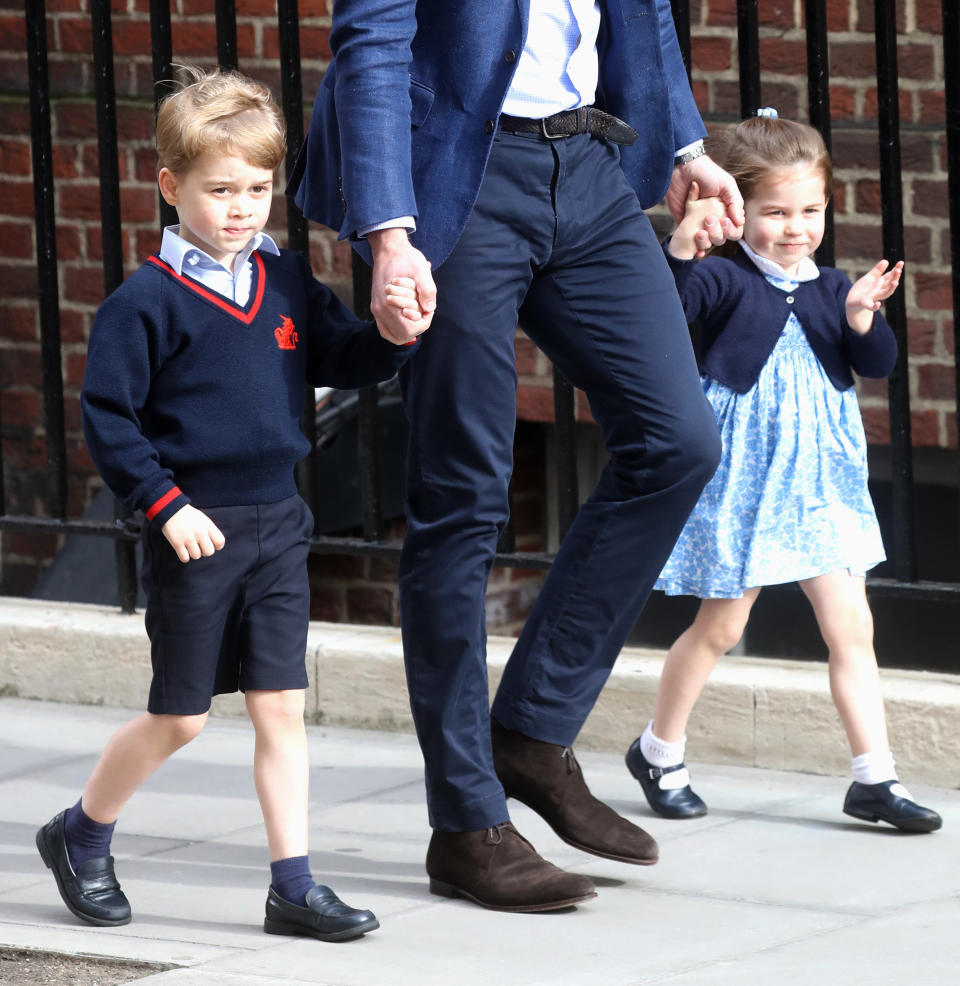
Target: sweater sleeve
{"type": "Point", "coordinates": [874, 353]}
{"type": "Point", "coordinates": [344, 352]}
{"type": "Point", "coordinates": [121, 358]}
{"type": "Point", "coordinates": [706, 291]}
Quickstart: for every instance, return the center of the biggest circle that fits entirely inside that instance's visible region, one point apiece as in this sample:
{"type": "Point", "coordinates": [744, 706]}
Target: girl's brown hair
{"type": "Point", "coordinates": [219, 111]}
{"type": "Point", "coordinates": [760, 146]}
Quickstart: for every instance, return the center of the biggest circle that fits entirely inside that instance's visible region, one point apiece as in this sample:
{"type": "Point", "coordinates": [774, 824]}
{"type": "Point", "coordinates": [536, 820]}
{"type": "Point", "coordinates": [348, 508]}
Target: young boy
{"type": "Point", "coordinates": [196, 375]}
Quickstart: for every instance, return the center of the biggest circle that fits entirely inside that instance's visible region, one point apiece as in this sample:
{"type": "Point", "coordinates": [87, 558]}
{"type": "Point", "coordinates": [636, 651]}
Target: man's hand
{"type": "Point", "coordinates": [713, 182]}
{"type": "Point", "coordinates": [192, 534]}
{"type": "Point", "coordinates": [395, 258]}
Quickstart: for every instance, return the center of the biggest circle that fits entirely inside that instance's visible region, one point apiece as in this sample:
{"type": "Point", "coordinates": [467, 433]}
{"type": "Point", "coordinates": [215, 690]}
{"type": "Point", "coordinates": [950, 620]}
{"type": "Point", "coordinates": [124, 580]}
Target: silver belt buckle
{"type": "Point", "coordinates": [550, 136]}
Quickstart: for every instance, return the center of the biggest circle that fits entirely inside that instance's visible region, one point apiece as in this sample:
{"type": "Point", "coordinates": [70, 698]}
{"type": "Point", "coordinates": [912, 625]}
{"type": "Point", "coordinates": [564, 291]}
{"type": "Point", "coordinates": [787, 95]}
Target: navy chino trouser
{"type": "Point", "coordinates": [558, 232]}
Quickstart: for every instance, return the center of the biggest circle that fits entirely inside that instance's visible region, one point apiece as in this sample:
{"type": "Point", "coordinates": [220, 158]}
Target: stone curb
{"type": "Point", "coordinates": [754, 712]}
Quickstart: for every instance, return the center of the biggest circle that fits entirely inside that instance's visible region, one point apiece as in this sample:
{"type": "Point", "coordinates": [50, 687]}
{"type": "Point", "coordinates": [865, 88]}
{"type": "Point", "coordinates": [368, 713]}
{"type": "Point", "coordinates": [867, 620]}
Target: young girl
{"type": "Point", "coordinates": [789, 500]}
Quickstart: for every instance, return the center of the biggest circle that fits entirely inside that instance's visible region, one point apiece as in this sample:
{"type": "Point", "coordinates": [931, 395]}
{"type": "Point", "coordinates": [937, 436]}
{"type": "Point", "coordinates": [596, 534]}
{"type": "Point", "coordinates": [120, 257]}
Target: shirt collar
{"type": "Point", "coordinates": [179, 253]}
{"type": "Point", "coordinates": [807, 270]}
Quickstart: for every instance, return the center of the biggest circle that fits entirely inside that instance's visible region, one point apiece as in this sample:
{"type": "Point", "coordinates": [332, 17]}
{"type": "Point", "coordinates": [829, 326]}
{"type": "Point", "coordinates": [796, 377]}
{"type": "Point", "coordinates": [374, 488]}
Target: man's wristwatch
{"type": "Point", "coordinates": [690, 155]}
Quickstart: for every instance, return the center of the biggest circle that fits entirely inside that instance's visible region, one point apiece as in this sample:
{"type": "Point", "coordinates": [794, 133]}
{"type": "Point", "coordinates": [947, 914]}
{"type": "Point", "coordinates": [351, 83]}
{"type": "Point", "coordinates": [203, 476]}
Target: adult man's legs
{"type": "Point", "coordinates": [605, 309]}
{"type": "Point", "coordinates": [459, 393]}
{"type": "Point", "coordinates": [532, 225]}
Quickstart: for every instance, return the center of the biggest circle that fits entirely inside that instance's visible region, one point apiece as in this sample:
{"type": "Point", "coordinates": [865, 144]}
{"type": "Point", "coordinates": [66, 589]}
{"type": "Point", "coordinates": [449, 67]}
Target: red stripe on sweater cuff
{"type": "Point", "coordinates": [162, 502]}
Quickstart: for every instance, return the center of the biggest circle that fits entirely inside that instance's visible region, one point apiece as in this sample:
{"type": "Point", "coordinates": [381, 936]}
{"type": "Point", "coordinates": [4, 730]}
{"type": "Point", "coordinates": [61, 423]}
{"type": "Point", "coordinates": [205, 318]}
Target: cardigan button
{"type": "Point", "coordinates": [790, 299]}
{"type": "Point", "coordinates": [489, 126]}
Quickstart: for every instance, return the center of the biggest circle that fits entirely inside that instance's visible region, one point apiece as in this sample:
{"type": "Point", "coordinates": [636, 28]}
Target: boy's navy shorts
{"type": "Point", "coordinates": [234, 620]}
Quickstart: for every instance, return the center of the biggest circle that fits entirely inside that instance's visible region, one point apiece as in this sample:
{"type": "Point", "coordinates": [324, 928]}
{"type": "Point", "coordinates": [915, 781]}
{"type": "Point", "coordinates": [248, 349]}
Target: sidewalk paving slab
{"type": "Point", "coordinates": [774, 885]}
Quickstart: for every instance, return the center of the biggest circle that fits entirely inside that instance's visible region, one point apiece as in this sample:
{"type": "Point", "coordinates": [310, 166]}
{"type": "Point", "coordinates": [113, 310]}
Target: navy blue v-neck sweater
{"type": "Point", "coordinates": [190, 398]}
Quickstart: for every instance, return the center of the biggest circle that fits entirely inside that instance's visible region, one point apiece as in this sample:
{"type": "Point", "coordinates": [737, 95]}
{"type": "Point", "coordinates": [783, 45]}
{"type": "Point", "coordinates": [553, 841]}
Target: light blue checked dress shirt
{"type": "Point", "coordinates": [187, 259]}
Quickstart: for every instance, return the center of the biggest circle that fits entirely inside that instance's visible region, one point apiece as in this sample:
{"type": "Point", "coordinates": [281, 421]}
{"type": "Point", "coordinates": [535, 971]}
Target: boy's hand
{"type": "Point", "coordinates": [192, 534]}
{"type": "Point", "coordinates": [395, 257]}
{"type": "Point", "coordinates": [869, 292]}
{"type": "Point", "coordinates": [401, 293]}
{"type": "Point", "coordinates": [705, 224]}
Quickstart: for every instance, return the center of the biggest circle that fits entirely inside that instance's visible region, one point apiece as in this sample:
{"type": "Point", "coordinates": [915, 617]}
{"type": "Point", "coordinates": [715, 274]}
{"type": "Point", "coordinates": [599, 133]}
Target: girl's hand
{"type": "Point", "coordinates": [192, 534]}
{"type": "Point", "coordinates": [869, 292]}
{"type": "Point", "coordinates": [704, 225]}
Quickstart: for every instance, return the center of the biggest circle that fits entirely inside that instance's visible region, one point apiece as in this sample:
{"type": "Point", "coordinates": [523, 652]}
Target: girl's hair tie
{"type": "Point", "coordinates": [768, 111]}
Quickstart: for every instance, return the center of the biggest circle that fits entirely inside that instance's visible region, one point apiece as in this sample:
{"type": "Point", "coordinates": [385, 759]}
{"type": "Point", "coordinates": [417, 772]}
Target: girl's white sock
{"type": "Point", "coordinates": [660, 753]}
{"type": "Point", "coordinates": [874, 767]}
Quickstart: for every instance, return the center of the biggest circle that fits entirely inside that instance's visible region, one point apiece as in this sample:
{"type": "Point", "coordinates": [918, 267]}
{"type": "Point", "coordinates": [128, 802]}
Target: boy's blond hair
{"type": "Point", "coordinates": [219, 111]}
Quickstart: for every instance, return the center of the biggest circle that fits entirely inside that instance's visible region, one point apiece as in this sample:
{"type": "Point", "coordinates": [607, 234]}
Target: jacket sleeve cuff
{"type": "Point", "coordinates": [401, 222]}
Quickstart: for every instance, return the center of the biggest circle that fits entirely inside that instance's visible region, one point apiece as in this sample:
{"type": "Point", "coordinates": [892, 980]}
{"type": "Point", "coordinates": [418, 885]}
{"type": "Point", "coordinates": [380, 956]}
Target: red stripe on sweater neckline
{"type": "Point", "coordinates": [228, 306]}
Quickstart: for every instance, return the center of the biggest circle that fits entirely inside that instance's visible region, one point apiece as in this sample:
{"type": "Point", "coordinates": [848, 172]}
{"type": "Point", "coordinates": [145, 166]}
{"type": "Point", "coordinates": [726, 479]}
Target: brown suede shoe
{"type": "Point", "coordinates": [548, 779]}
{"type": "Point", "coordinates": [497, 868]}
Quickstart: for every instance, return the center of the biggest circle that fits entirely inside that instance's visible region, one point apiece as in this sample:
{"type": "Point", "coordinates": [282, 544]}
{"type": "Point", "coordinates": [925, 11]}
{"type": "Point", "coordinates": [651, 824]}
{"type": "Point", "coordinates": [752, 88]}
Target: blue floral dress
{"type": "Point", "coordinates": [789, 499]}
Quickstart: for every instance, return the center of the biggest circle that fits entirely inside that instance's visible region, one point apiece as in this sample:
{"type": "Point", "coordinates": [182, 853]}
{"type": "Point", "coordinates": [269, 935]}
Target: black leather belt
{"type": "Point", "coordinates": [567, 123]}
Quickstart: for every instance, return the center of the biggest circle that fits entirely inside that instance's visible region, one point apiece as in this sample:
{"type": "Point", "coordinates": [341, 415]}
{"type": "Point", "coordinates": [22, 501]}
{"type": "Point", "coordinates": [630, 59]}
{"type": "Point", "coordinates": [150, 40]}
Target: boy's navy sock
{"type": "Point", "coordinates": [291, 879]}
{"type": "Point", "coordinates": [86, 839]}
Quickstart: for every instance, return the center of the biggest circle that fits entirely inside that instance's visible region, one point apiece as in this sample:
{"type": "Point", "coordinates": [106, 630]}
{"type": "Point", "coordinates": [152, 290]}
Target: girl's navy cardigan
{"type": "Point", "coordinates": [188, 397]}
{"type": "Point", "coordinates": [742, 316]}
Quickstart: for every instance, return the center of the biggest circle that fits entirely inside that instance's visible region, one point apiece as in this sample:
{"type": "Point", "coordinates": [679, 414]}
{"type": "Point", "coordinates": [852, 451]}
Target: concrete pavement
{"type": "Point", "coordinates": [774, 886]}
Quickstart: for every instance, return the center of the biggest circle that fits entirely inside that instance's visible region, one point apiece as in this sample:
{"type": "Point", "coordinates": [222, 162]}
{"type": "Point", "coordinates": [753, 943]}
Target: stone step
{"type": "Point", "coordinates": [754, 712]}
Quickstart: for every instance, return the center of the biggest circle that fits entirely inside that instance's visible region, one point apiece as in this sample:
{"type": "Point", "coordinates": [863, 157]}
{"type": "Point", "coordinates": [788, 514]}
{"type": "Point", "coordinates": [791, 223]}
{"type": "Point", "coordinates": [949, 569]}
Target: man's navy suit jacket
{"type": "Point", "coordinates": [405, 117]}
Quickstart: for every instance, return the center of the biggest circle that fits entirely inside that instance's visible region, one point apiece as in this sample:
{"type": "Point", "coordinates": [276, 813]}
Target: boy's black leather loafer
{"type": "Point", "coordinates": [92, 892]}
{"type": "Point", "coordinates": [677, 803]}
{"type": "Point", "coordinates": [876, 802]}
{"type": "Point", "coordinates": [325, 917]}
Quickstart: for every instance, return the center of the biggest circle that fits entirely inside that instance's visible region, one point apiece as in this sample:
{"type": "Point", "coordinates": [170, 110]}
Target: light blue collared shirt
{"type": "Point", "coordinates": [557, 69]}
{"type": "Point", "coordinates": [559, 65]}
{"type": "Point", "coordinates": [185, 258]}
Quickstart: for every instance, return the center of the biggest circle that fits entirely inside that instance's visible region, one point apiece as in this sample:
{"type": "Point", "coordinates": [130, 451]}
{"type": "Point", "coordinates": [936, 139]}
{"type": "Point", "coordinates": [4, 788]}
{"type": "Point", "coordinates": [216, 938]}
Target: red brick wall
{"type": "Point", "coordinates": [853, 104]}
{"type": "Point", "coordinates": [77, 206]}
{"type": "Point", "coordinates": [853, 101]}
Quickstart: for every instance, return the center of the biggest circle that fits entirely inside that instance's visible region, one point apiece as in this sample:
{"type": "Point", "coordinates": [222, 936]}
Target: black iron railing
{"type": "Point", "coordinates": [951, 72]}
{"type": "Point", "coordinates": [372, 542]}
